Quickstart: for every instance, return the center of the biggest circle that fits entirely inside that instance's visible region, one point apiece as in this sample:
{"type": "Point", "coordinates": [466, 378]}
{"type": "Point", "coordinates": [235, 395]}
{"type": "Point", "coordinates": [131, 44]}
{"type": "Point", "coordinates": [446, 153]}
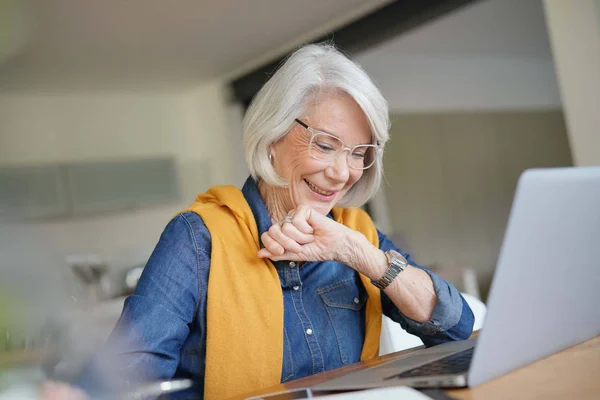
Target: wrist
{"type": "Point", "coordinates": [396, 264]}
{"type": "Point", "coordinates": [346, 251]}
{"type": "Point", "coordinates": [367, 259]}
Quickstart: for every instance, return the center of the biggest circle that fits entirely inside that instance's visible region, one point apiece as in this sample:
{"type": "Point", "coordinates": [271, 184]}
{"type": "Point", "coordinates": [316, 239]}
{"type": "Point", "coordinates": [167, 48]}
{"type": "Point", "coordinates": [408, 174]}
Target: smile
{"type": "Point", "coordinates": [317, 190]}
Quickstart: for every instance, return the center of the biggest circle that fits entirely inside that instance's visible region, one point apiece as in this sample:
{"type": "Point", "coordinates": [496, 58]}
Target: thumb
{"type": "Point", "coordinates": [316, 219]}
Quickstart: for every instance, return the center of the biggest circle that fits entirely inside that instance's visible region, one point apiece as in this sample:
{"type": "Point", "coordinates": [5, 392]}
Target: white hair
{"type": "Point", "coordinates": [309, 70]}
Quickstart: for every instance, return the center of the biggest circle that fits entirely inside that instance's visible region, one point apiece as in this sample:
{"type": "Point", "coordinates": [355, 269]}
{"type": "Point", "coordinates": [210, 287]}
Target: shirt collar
{"type": "Point", "coordinates": [258, 207]}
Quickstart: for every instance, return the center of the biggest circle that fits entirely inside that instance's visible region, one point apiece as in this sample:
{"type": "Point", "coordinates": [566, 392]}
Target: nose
{"type": "Point", "coordinates": [339, 170]}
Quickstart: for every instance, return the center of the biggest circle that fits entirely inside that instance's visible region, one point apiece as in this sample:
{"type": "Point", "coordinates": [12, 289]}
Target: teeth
{"type": "Point", "coordinates": [316, 189]}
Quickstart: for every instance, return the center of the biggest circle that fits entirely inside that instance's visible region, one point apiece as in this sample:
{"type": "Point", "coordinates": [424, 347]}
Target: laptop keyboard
{"type": "Point", "coordinates": [452, 364]}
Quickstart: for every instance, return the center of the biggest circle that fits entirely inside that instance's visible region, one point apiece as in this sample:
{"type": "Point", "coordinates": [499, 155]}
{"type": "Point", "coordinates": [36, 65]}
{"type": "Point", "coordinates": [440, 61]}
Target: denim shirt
{"type": "Point", "coordinates": [162, 331]}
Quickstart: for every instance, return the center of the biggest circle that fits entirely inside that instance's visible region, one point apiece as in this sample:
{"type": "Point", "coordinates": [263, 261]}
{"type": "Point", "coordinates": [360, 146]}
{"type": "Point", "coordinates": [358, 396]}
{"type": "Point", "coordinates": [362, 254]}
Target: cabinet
{"type": "Point", "coordinates": [30, 192]}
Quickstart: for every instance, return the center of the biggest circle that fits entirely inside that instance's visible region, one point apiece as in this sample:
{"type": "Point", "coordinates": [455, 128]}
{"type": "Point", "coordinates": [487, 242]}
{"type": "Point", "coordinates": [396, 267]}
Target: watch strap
{"type": "Point", "coordinates": [396, 264]}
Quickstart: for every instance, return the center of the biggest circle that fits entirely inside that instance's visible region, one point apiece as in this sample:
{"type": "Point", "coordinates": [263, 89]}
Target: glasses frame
{"type": "Point", "coordinates": [350, 149]}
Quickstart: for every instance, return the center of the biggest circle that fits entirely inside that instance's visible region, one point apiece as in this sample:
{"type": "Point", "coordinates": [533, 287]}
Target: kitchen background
{"type": "Point", "coordinates": [473, 95]}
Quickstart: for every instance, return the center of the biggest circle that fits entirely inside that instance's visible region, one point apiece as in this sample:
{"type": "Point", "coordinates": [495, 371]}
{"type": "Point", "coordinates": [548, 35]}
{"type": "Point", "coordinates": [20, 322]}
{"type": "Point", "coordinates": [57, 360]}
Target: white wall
{"type": "Point", "coordinates": [235, 116]}
{"type": "Point", "coordinates": [58, 127]}
{"type": "Point", "coordinates": [48, 127]}
{"type": "Point", "coordinates": [429, 83]}
{"type": "Point", "coordinates": [574, 29]}
{"type": "Point", "coordinates": [191, 125]}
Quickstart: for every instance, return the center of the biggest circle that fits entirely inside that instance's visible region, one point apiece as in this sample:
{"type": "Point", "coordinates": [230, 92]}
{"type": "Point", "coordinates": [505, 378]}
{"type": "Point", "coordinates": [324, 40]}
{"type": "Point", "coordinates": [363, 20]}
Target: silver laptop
{"type": "Point", "coordinates": [544, 296]}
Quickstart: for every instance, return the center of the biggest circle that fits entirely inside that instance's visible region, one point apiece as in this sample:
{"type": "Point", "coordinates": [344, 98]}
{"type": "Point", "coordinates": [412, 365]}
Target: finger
{"type": "Point", "coordinates": [264, 253]}
{"type": "Point", "coordinates": [300, 219]}
{"type": "Point", "coordinates": [288, 243]}
{"type": "Point", "coordinates": [271, 244]}
{"type": "Point", "coordinates": [287, 256]}
{"type": "Point", "coordinates": [321, 222]}
{"type": "Point", "coordinates": [290, 230]}
{"type": "Point", "coordinates": [316, 219]}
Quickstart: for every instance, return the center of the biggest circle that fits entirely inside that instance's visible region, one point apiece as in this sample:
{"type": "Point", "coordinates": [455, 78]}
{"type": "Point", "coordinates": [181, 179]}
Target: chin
{"type": "Point", "coordinates": [322, 209]}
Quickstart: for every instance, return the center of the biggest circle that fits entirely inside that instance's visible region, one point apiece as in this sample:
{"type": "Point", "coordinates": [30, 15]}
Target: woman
{"type": "Point", "coordinates": [251, 288]}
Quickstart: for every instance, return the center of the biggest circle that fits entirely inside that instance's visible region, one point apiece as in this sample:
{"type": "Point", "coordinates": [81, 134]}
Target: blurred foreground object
{"type": "Point", "coordinates": [59, 391]}
{"type": "Point", "coordinates": [91, 271]}
{"type": "Point", "coordinates": [31, 294]}
{"type": "Point", "coordinates": [31, 286]}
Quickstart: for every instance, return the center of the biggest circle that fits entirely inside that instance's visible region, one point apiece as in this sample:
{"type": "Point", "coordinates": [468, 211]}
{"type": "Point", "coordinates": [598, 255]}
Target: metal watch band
{"type": "Point", "coordinates": [397, 263]}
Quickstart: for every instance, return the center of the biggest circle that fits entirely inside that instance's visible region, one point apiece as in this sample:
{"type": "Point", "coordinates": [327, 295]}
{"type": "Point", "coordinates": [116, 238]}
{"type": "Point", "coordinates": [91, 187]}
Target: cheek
{"type": "Point", "coordinates": [355, 175]}
{"type": "Point", "coordinates": [291, 155]}
{"type": "Point", "coordinates": [297, 145]}
{"type": "Point", "coordinates": [303, 166]}
{"type": "Point", "coordinates": [299, 160]}
{"type": "Point", "coordinates": [296, 150]}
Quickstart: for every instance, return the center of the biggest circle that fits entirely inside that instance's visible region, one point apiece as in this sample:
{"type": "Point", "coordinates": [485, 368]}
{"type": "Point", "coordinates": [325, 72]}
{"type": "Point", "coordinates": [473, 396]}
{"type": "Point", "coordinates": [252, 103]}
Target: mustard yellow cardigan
{"type": "Point", "coordinates": [244, 340]}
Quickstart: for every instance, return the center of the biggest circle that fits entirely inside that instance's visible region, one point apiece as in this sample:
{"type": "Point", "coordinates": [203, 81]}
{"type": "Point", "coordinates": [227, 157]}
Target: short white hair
{"type": "Point", "coordinates": [310, 70]}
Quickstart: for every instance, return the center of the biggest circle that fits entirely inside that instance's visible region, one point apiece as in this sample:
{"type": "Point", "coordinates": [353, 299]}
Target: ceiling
{"type": "Point", "coordinates": [116, 43]}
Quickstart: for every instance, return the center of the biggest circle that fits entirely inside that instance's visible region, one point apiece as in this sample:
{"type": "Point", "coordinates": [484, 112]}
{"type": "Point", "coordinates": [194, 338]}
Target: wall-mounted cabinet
{"type": "Point", "coordinates": [73, 189]}
{"type": "Point", "coordinates": [32, 192]}
{"type": "Point", "coordinates": [123, 184]}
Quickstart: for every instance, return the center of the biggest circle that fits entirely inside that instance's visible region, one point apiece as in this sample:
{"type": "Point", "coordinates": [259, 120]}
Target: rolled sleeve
{"type": "Point", "coordinates": [451, 319]}
{"type": "Point", "coordinates": [447, 310]}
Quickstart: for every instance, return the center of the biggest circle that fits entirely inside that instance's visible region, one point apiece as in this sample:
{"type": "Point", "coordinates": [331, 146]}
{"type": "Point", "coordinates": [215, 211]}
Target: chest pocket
{"type": "Point", "coordinates": [344, 302]}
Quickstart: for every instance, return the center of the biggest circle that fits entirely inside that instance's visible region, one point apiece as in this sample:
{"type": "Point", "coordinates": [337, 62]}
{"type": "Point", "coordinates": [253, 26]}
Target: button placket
{"type": "Point", "coordinates": [293, 279]}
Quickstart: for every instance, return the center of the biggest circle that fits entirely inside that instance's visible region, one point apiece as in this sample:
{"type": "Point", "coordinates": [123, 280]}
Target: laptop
{"type": "Point", "coordinates": [544, 295]}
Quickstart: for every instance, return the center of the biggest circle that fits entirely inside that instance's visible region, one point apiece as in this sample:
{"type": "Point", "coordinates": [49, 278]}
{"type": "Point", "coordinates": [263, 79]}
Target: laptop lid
{"type": "Point", "coordinates": [546, 288]}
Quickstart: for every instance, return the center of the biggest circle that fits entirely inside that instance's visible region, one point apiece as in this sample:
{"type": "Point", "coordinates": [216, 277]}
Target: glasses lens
{"type": "Point", "coordinates": [324, 147]}
{"type": "Point", "coordinates": [327, 148]}
{"type": "Point", "coordinates": [362, 157]}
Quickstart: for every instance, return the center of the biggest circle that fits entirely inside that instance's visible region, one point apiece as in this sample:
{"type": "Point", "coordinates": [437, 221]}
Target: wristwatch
{"type": "Point", "coordinates": [397, 263]}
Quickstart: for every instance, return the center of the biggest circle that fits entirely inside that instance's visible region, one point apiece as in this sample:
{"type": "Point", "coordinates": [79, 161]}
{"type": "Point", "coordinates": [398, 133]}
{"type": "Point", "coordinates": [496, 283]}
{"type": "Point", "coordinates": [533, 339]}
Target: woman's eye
{"type": "Point", "coordinates": [359, 155]}
{"type": "Point", "coordinates": [324, 147]}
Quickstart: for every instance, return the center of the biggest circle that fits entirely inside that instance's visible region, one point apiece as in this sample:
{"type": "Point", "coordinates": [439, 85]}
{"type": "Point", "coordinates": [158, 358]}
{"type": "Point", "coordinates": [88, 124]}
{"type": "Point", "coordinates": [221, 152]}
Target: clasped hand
{"type": "Point", "coordinates": [308, 236]}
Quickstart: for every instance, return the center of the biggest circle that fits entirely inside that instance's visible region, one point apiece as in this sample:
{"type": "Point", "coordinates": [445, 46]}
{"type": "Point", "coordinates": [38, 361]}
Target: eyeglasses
{"type": "Point", "coordinates": [326, 147]}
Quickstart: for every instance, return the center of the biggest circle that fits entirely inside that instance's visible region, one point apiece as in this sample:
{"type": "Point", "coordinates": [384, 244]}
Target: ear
{"type": "Point", "coordinates": [271, 157]}
{"type": "Point", "coordinates": [273, 152]}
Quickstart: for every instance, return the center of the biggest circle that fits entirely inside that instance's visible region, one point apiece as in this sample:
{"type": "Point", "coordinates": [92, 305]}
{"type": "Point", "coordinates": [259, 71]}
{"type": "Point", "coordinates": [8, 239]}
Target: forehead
{"type": "Point", "coordinates": [339, 115]}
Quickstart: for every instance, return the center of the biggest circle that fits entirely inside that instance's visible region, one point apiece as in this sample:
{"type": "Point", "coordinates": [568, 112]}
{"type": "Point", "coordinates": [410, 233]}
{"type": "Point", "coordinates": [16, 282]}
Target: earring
{"type": "Point", "coordinates": [271, 158]}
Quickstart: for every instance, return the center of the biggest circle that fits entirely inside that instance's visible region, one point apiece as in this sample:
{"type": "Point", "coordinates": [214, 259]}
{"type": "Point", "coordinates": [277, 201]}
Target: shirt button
{"type": "Point", "coordinates": [356, 300]}
{"type": "Point", "coordinates": [296, 287]}
{"type": "Point", "coordinates": [292, 264]}
{"type": "Point", "coordinates": [309, 331]}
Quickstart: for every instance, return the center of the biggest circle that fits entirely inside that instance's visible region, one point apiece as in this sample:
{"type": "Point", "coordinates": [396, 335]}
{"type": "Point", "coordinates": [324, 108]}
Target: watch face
{"type": "Point", "coordinates": [399, 257]}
